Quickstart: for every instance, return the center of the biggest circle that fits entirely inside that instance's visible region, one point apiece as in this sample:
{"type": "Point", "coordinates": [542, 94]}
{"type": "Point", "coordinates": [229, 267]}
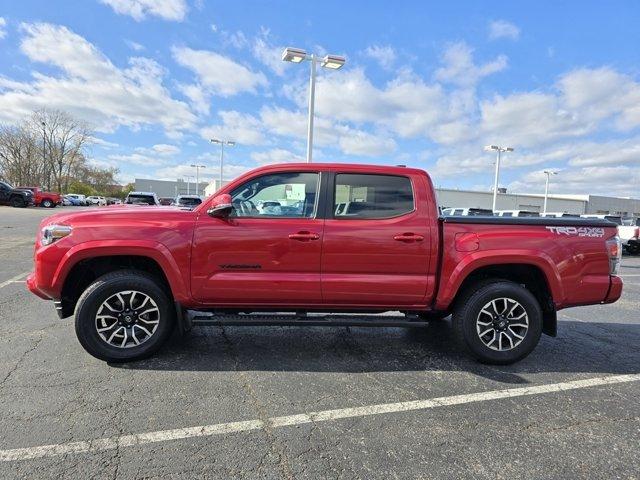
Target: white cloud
{"type": "Point", "coordinates": [503, 29]}
{"type": "Point", "coordinates": [239, 127]}
{"type": "Point", "coordinates": [269, 54]}
{"type": "Point", "coordinates": [174, 10]}
{"type": "Point", "coordinates": [3, 31]}
{"type": "Point", "coordinates": [385, 55]}
{"type": "Point", "coordinates": [460, 69]}
{"type": "Point", "coordinates": [136, 159]}
{"type": "Point", "coordinates": [134, 46]}
{"type": "Point", "coordinates": [358, 142]}
{"type": "Point", "coordinates": [90, 86]}
{"type": "Point", "coordinates": [162, 149]}
{"type": "Point", "coordinates": [276, 155]}
{"type": "Point", "coordinates": [174, 172]}
{"type": "Point", "coordinates": [219, 74]}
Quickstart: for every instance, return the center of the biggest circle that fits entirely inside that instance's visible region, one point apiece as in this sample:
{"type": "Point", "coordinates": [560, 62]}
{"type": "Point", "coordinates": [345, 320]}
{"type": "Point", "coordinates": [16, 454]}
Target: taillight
{"type": "Point", "coordinates": [636, 232]}
{"type": "Point", "coordinates": [614, 249]}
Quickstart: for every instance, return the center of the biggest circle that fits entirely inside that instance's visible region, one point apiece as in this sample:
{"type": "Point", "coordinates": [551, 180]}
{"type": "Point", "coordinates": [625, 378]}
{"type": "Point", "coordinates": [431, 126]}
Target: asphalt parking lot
{"type": "Point", "coordinates": [290, 402]}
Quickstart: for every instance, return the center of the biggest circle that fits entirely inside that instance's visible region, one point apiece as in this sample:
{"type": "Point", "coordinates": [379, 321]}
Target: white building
{"type": "Point", "coordinates": [213, 187]}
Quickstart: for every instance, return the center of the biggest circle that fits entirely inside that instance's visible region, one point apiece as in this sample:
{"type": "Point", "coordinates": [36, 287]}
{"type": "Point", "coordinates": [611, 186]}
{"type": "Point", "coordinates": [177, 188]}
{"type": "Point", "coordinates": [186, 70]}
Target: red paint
{"type": "Point", "coordinates": [394, 263]}
{"type": "Point", "coordinates": [40, 196]}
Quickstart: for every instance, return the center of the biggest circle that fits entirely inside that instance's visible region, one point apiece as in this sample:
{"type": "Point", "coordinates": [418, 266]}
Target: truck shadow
{"type": "Point", "coordinates": [581, 347]}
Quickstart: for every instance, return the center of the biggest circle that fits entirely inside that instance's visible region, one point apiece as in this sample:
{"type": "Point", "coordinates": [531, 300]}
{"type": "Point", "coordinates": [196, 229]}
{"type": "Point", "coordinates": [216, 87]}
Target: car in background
{"type": "Point", "coordinates": [71, 201]}
{"type": "Point", "coordinates": [472, 212]}
{"type": "Point", "coordinates": [629, 234]}
{"type": "Point", "coordinates": [44, 199]}
{"type": "Point", "coordinates": [516, 213]}
{"type": "Point", "coordinates": [617, 219]}
{"type": "Point", "coordinates": [559, 215]}
{"type": "Point", "coordinates": [14, 196]}
{"type": "Point", "coordinates": [81, 199]}
{"type": "Point", "coordinates": [97, 200]}
{"type": "Point", "coordinates": [188, 200]}
{"type": "Point", "coordinates": [142, 198]}
{"type": "Point", "coordinates": [167, 201]}
{"type": "Point", "coordinates": [113, 201]}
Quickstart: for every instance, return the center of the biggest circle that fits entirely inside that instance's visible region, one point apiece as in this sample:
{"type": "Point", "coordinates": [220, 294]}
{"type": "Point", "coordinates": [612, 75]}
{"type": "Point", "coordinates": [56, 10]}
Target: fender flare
{"type": "Point", "coordinates": [449, 288]}
{"type": "Point", "coordinates": [105, 248]}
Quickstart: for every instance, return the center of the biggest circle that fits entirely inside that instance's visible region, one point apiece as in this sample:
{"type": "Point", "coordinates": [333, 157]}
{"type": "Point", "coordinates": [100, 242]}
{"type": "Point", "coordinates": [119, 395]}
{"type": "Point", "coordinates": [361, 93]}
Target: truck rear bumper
{"type": "Point", "coordinates": [615, 289]}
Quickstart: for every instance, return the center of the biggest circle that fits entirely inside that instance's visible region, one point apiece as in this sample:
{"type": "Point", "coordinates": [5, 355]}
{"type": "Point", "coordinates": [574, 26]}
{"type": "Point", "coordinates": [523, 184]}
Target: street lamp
{"type": "Point", "coordinates": [188, 177]}
{"type": "Point", "coordinates": [334, 62]}
{"type": "Point", "coordinates": [498, 149]}
{"type": "Point", "coordinates": [197, 167]}
{"type": "Point", "coordinates": [222, 144]}
{"type": "Point", "coordinates": [548, 173]}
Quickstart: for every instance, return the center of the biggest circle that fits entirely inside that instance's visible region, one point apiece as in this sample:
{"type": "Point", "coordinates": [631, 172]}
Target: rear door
{"type": "Point", "coordinates": [376, 247]}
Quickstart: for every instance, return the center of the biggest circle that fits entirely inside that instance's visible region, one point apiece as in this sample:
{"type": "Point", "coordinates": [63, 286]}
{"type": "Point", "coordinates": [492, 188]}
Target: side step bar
{"type": "Point", "coordinates": [196, 318]}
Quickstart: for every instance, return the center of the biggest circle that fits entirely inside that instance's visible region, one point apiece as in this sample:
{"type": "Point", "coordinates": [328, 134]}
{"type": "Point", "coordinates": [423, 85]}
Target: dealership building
{"type": "Point", "coordinates": [577, 204]}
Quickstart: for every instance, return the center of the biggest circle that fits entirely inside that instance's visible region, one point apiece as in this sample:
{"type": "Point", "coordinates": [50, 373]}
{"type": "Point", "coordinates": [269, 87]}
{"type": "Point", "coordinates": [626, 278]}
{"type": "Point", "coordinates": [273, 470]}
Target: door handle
{"type": "Point", "coordinates": [304, 236]}
{"type": "Point", "coordinates": [408, 237]}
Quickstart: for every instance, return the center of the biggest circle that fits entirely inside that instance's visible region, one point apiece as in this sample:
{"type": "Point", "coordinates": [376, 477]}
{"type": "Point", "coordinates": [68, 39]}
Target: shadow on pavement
{"type": "Point", "coordinates": [581, 347]}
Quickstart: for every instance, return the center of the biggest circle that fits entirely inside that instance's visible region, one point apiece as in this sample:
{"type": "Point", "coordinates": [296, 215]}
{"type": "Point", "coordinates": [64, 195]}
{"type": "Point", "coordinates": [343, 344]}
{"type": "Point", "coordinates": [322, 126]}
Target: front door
{"type": "Point", "coordinates": [376, 246]}
{"type": "Point", "coordinates": [268, 251]}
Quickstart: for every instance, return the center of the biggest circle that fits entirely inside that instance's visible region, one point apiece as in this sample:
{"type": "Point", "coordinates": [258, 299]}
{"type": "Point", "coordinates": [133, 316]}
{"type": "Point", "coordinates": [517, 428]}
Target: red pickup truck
{"type": "Point", "coordinates": [283, 243]}
{"type": "Point", "coordinates": [44, 199]}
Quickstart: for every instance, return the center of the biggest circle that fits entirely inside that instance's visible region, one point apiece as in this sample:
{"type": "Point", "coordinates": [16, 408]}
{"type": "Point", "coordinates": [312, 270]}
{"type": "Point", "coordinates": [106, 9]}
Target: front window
{"type": "Point", "coordinates": [280, 195]}
{"type": "Point", "coordinates": [366, 196]}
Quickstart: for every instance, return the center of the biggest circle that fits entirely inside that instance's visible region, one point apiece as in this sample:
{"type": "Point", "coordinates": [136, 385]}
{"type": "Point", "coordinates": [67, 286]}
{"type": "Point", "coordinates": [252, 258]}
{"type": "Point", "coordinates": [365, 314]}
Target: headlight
{"type": "Point", "coordinates": [51, 233]}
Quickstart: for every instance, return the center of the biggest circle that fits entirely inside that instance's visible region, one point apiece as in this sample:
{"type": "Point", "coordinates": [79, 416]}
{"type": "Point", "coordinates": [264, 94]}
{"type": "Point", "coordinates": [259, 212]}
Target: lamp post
{"type": "Point", "coordinates": [44, 147]}
{"type": "Point", "coordinates": [188, 177]}
{"type": "Point", "coordinates": [222, 143]}
{"type": "Point", "coordinates": [498, 149]}
{"type": "Point", "coordinates": [197, 167]}
{"type": "Point", "coordinates": [548, 173]}
{"type": "Point", "coordinates": [334, 62]}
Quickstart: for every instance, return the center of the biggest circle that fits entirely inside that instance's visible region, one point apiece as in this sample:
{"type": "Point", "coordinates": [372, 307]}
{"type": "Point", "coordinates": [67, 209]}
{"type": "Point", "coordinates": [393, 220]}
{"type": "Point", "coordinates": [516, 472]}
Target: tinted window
{"type": "Point", "coordinates": [528, 214]}
{"type": "Point", "coordinates": [140, 200]}
{"type": "Point", "coordinates": [372, 196]}
{"type": "Point", "coordinates": [281, 195]}
{"type": "Point", "coordinates": [507, 214]}
{"type": "Point", "coordinates": [480, 212]}
{"type": "Point", "coordinates": [611, 218]}
{"type": "Point", "coordinates": [189, 202]}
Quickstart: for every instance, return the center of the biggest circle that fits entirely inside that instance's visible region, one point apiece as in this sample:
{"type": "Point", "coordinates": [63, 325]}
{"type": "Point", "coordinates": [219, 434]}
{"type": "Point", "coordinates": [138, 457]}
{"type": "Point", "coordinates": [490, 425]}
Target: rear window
{"type": "Point", "coordinates": [366, 196]}
{"type": "Point", "coordinates": [616, 220]}
{"type": "Point", "coordinates": [140, 199]}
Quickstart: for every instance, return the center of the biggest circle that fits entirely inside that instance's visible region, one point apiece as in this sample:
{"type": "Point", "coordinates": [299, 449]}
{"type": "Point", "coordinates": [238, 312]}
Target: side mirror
{"type": "Point", "coordinates": [221, 206]}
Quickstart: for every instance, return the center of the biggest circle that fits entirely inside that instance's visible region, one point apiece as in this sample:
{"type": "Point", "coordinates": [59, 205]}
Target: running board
{"type": "Point", "coordinates": [196, 318]}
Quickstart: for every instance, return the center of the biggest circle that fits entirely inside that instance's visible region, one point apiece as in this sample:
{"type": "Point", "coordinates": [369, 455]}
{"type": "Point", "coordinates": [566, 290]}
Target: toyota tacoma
{"type": "Point", "coordinates": [320, 244]}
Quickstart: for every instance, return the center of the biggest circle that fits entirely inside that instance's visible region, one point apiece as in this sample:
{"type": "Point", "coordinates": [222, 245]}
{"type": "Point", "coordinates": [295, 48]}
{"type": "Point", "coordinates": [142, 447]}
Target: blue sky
{"type": "Point", "coordinates": [426, 84]}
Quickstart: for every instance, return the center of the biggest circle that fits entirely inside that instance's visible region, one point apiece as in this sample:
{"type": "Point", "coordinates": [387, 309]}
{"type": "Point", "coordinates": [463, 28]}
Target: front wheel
{"type": "Point", "coordinates": [123, 316]}
{"type": "Point", "coordinates": [47, 203]}
{"type": "Point", "coordinates": [499, 323]}
{"type": "Point", "coordinates": [18, 202]}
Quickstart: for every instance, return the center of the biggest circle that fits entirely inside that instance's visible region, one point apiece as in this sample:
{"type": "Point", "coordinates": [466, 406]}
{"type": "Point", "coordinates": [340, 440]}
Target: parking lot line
{"type": "Point", "coordinates": [101, 444]}
{"type": "Point", "coordinates": [14, 279]}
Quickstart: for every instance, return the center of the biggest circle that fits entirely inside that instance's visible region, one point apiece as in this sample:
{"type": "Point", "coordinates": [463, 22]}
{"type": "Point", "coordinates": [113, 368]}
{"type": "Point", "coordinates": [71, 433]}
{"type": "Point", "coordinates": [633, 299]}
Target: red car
{"type": "Point", "coordinates": [283, 243]}
{"type": "Point", "coordinates": [44, 199]}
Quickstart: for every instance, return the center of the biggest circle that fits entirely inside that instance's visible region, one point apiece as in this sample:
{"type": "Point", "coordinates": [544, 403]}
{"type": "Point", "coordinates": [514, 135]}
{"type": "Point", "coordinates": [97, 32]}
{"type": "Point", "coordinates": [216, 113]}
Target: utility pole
{"type": "Point", "coordinates": [498, 149]}
{"type": "Point", "coordinates": [197, 167]}
{"type": "Point", "coordinates": [548, 173]}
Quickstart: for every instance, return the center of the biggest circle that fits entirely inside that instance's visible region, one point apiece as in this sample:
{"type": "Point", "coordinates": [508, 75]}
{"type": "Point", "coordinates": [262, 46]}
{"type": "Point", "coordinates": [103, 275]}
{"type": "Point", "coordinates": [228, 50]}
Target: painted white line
{"type": "Point", "coordinates": [101, 444]}
{"type": "Point", "coordinates": [631, 275]}
{"type": "Point", "coordinates": [13, 279]}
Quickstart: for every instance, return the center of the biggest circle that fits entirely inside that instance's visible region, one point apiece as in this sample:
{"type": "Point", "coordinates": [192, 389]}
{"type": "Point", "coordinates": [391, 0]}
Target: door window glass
{"type": "Point", "coordinates": [359, 196]}
{"type": "Point", "coordinates": [281, 195]}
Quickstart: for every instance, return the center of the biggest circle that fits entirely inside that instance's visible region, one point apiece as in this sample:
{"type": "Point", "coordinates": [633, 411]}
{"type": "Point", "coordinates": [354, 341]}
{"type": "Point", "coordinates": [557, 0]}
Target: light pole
{"type": "Point", "coordinates": [188, 177]}
{"type": "Point", "coordinates": [44, 147]}
{"type": "Point", "coordinates": [197, 167]}
{"type": "Point", "coordinates": [498, 149]}
{"type": "Point", "coordinates": [222, 143]}
{"type": "Point", "coordinates": [548, 173]}
{"type": "Point", "coordinates": [334, 62]}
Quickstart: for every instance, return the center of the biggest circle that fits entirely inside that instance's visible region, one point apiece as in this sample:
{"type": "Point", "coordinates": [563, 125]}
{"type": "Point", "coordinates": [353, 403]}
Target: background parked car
{"type": "Point", "coordinates": [167, 201]}
{"type": "Point", "coordinates": [629, 234]}
{"type": "Point", "coordinates": [44, 199]}
{"type": "Point", "coordinates": [473, 212]}
{"type": "Point", "coordinates": [96, 200]}
{"type": "Point", "coordinates": [188, 200]}
{"type": "Point", "coordinates": [82, 200]}
{"type": "Point", "coordinates": [559, 215]}
{"type": "Point", "coordinates": [15, 196]}
{"type": "Point", "coordinates": [516, 213]}
{"type": "Point", "coordinates": [142, 198]}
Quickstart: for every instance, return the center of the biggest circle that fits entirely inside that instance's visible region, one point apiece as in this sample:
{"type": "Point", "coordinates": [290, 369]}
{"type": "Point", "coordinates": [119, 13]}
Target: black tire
{"type": "Point", "coordinates": [105, 287]}
{"type": "Point", "coordinates": [46, 203]}
{"type": "Point", "coordinates": [18, 202]}
{"type": "Point", "coordinates": [468, 310]}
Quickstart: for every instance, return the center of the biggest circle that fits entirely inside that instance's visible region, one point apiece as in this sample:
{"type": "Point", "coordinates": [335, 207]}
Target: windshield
{"type": "Point", "coordinates": [190, 202]}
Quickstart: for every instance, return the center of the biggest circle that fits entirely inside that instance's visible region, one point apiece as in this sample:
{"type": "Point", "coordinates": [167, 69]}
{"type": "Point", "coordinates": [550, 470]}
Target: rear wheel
{"type": "Point", "coordinates": [500, 322]}
{"type": "Point", "coordinates": [18, 202]}
{"type": "Point", "coordinates": [47, 203]}
{"type": "Point", "coordinates": [123, 316]}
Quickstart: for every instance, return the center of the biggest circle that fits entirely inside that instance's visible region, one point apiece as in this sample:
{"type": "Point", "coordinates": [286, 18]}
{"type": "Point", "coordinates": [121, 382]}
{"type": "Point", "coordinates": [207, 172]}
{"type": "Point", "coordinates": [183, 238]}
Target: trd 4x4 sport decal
{"type": "Point", "coordinates": [578, 231]}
